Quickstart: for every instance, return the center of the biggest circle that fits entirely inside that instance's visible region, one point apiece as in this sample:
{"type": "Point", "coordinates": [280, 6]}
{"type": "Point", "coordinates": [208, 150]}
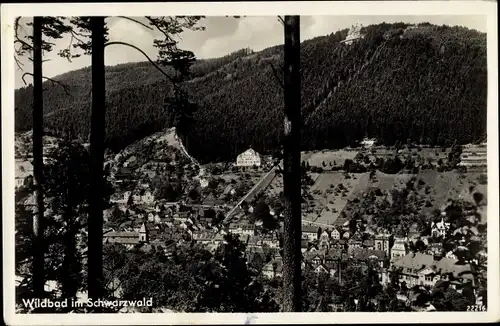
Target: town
{"type": "Point", "coordinates": [414, 214]}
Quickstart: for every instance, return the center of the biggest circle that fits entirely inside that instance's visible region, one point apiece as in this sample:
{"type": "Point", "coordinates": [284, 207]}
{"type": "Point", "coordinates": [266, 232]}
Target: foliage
{"type": "Point", "coordinates": [238, 98]}
{"type": "Point", "coordinates": [194, 280]}
{"type": "Point", "coordinates": [66, 191]}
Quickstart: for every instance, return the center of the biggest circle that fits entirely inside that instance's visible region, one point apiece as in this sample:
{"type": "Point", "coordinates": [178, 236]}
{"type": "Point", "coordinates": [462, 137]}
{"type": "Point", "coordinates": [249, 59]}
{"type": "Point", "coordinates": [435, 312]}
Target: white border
{"type": "Point", "coordinates": [9, 11]}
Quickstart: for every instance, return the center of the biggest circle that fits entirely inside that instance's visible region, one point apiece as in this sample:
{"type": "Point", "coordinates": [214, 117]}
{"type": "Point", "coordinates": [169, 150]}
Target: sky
{"type": "Point", "coordinates": [222, 35]}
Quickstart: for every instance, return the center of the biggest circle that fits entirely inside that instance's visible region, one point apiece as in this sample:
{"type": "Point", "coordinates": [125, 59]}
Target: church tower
{"type": "Point", "coordinates": [382, 242]}
{"type": "Point", "coordinates": [143, 234]}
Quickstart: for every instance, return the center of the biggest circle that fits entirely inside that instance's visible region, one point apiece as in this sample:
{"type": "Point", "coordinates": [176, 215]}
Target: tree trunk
{"type": "Point", "coordinates": [97, 134]}
{"type": "Point", "coordinates": [291, 169]}
{"type": "Point", "coordinates": [38, 217]}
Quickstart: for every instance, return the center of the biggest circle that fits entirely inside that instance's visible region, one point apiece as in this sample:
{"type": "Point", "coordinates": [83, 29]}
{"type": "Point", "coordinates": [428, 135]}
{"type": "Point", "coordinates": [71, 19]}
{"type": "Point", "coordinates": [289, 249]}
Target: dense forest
{"type": "Point", "coordinates": [422, 83]}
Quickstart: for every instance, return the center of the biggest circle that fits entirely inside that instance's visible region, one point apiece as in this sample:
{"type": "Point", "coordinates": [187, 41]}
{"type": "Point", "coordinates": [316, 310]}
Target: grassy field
{"type": "Point", "coordinates": [338, 157]}
{"type": "Point", "coordinates": [329, 197]}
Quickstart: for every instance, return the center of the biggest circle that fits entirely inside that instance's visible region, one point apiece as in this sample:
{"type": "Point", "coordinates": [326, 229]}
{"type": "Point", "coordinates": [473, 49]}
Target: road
{"type": "Point", "coordinates": [267, 178]}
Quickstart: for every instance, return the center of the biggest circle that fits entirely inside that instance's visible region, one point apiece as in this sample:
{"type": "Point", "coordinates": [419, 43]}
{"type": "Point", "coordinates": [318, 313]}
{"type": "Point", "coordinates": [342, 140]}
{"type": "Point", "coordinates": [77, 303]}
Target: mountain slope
{"type": "Point", "coordinates": [424, 83]}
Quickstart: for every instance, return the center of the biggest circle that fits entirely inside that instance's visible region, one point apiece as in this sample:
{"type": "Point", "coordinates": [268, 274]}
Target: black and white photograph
{"type": "Point", "coordinates": [247, 161]}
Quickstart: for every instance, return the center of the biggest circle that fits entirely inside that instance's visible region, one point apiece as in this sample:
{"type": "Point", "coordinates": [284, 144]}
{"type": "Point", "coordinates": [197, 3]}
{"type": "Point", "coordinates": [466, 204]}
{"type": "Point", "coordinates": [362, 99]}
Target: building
{"type": "Point", "coordinates": [210, 200]}
{"type": "Point", "coordinates": [128, 239]}
{"type": "Point", "coordinates": [398, 249]}
{"type": "Point", "coordinates": [274, 268]}
{"type": "Point", "coordinates": [356, 240]}
{"type": "Point", "coordinates": [24, 170]}
{"type": "Point", "coordinates": [363, 257]}
{"type": "Point", "coordinates": [353, 34]}
{"type": "Point", "coordinates": [325, 261]}
{"type": "Point", "coordinates": [248, 158]}
{"type": "Point", "coordinates": [382, 242]}
{"type": "Point", "coordinates": [335, 234]}
{"type": "Point", "coordinates": [309, 232]}
{"type": "Point", "coordinates": [242, 229]}
{"type": "Point", "coordinates": [439, 229]}
{"type": "Point", "coordinates": [123, 174]}
{"type": "Point", "coordinates": [203, 237]}
{"type": "Point", "coordinates": [473, 156]}
{"type": "Point", "coordinates": [369, 244]}
{"type": "Point", "coordinates": [229, 191]}
{"type": "Point", "coordinates": [272, 241]}
{"type": "Point", "coordinates": [422, 269]}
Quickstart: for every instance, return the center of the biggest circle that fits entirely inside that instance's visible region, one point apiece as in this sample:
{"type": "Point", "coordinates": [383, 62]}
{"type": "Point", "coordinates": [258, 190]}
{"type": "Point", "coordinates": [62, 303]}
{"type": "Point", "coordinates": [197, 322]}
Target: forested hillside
{"type": "Point", "coordinates": [427, 84]}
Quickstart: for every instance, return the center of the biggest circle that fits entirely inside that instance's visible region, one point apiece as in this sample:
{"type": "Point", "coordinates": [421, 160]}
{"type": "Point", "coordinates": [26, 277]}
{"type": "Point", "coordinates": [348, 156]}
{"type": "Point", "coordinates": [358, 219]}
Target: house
{"type": "Point", "coordinates": [369, 244]}
{"type": "Point", "coordinates": [398, 249]}
{"type": "Point", "coordinates": [440, 228]}
{"type": "Point", "coordinates": [324, 235]}
{"type": "Point", "coordinates": [203, 237]}
{"type": "Point", "coordinates": [315, 258]}
{"type": "Point", "coordinates": [128, 239]}
{"type": "Point", "coordinates": [274, 268]}
{"type": "Point", "coordinates": [181, 216]}
{"type": "Point", "coordinates": [309, 232]}
{"type": "Point", "coordinates": [356, 240]}
{"type": "Point", "coordinates": [365, 257]}
{"type": "Point", "coordinates": [23, 173]}
{"type": "Point", "coordinates": [248, 158]}
{"type": "Point", "coordinates": [123, 174]}
{"type": "Point", "coordinates": [342, 223]}
{"type": "Point", "coordinates": [337, 244]}
{"type": "Point", "coordinates": [210, 200]}
{"type": "Point", "coordinates": [271, 241]}
{"type": "Point", "coordinates": [229, 191]}
{"type": "Point", "coordinates": [324, 243]}
{"type": "Point", "coordinates": [147, 197]}
{"type": "Point", "coordinates": [423, 269]}
{"type": "Point", "coordinates": [321, 269]}
{"type": "Point", "coordinates": [435, 248]}
{"type": "Point", "coordinates": [235, 228]}
{"type": "Point", "coordinates": [335, 234]}
{"type": "Point", "coordinates": [413, 233]}
{"type": "Point", "coordinates": [325, 261]}
{"type": "Point", "coordinates": [304, 245]}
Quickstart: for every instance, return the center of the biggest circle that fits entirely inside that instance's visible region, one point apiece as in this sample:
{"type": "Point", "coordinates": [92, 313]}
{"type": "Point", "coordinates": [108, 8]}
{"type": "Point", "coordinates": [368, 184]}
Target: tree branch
{"type": "Point", "coordinates": [65, 87]}
{"type": "Point", "coordinates": [18, 63]}
{"type": "Point", "coordinates": [282, 21]}
{"type": "Point", "coordinates": [155, 24]}
{"type": "Point", "coordinates": [277, 76]}
{"type": "Point", "coordinates": [144, 54]}
{"type": "Point", "coordinates": [136, 21]}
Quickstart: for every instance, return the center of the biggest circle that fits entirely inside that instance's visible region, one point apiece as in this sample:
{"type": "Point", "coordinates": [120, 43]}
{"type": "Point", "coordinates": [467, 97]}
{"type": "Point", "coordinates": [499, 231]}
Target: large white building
{"type": "Point", "coordinates": [24, 169]}
{"type": "Point", "coordinates": [248, 158]}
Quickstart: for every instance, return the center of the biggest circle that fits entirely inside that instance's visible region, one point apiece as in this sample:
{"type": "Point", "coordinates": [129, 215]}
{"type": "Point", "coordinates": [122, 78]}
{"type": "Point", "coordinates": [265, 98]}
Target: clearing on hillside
{"type": "Point", "coordinates": [336, 158]}
{"type": "Point", "coordinates": [330, 192]}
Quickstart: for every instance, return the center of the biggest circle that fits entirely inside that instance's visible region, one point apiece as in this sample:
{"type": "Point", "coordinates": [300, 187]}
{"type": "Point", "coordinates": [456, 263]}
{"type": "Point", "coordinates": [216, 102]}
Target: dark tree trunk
{"type": "Point", "coordinates": [71, 266]}
{"type": "Point", "coordinates": [38, 217]}
{"type": "Point", "coordinates": [291, 166]}
{"type": "Point", "coordinates": [97, 134]}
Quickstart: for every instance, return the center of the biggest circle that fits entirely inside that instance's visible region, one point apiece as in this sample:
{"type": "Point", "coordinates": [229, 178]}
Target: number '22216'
{"type": "Point", "coordinates": [476, 307]}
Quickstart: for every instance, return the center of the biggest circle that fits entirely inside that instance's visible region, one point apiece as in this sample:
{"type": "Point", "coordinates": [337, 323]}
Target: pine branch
{"type": "Point", "coordinates": [64, 86]}
{"type": "Point", "coordinates": [18, 63]}
{"type": "Point", "coordinates": [137, 22]}
{"type": "Point", "coordinates": [145, 55]}
{"type": "Point", "coordinates": [281, 20]}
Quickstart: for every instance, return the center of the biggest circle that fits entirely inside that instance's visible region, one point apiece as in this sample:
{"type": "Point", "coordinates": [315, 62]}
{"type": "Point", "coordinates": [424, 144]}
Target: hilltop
{"type": "Point", "coordinates": [399, 82]}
